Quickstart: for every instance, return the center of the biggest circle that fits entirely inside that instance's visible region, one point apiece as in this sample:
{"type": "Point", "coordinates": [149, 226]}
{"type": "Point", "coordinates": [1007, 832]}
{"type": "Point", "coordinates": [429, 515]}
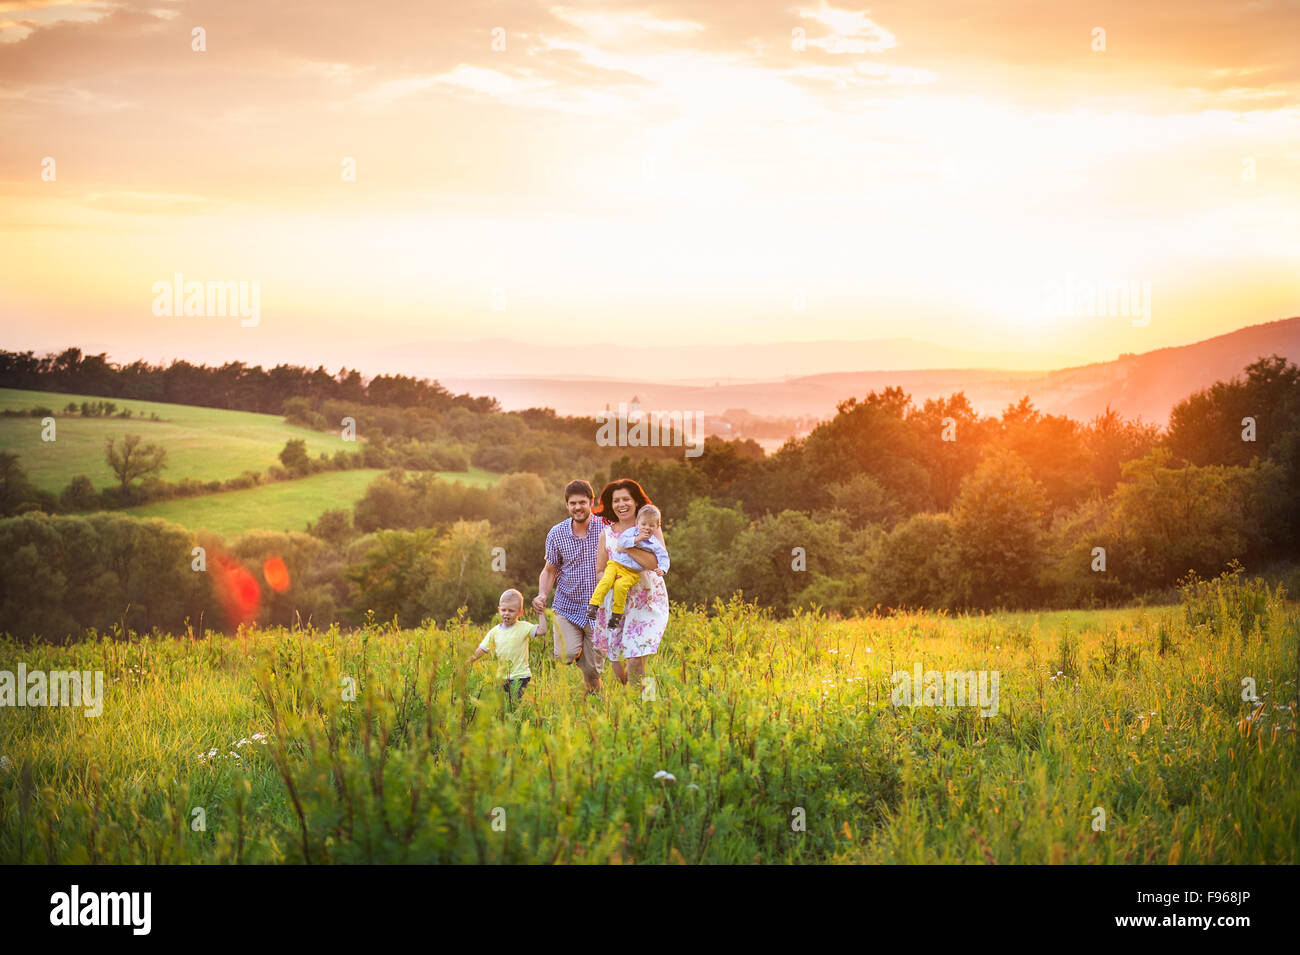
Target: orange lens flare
{"type": "Point", "coordinates": [276, 574]}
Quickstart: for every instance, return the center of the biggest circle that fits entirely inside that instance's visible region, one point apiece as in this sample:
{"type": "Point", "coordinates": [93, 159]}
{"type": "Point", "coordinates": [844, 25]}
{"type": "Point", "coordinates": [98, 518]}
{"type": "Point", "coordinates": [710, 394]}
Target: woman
{"type": "Point", "coordinates": [646, 615]}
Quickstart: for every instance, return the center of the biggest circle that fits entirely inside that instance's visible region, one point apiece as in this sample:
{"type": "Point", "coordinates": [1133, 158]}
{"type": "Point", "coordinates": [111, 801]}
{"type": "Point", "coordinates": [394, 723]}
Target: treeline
{"type": "Point", "coordinates": [535, 441]}
{"type": "Point", "coordinates": [888, 505]}
{"type": "Point", "coordinates": [61, 576]}
{"type": "Point", "coordinates": [895, 505]}
{"type": "Point", "coordinates": [234, 386]}
{"type": "Point", "coordinates": [891, 505]}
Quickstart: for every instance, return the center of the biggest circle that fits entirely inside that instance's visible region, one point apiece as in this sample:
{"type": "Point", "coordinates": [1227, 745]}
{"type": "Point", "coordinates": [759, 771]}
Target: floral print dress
{"type": "Point", "coordinates": [645, 617]}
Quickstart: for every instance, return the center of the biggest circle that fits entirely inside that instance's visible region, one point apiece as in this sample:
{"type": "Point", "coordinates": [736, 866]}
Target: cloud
{"type": "Point", "coordinates": [146, 203]}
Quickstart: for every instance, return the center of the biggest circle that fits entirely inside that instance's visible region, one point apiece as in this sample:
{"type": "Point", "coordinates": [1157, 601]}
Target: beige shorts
{"type": "Point", "coordinates": [570, 639]}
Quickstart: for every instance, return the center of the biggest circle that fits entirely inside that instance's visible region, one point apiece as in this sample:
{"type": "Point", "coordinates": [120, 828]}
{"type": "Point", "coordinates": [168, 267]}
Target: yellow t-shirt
{"type": "Point", "coordinates": [511, 646]}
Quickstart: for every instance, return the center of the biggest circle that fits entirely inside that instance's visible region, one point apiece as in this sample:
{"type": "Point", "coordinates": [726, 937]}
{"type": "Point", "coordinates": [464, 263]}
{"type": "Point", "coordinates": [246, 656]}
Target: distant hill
{"type": "Point", "coordinates": [724, 362]}
{"type": "Point", "coordinates": [1146, 385]}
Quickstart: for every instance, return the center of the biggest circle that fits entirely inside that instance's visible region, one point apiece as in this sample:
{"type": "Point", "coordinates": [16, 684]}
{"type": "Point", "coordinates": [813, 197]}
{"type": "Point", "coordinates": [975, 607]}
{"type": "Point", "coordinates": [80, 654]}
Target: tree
{"type": "Point", "coordinates": [1112, 441]}
{"type": "Point", "coordinates": [701, 546]}
{"type": "Point", "coordinates": [334, 527]}
{"type": "Point", "coordinates": [1172, 520]}
{"type": "Point", "coordinates": [781, 556]}
{"type": "Point", "coordinates": [15, 489]}
{"type": "Point", "coordinates": [861, 502]}
{"type": "Point", "coordinates": [950, 460]}
{"type": "Point", "coordinates": [1207, 427]}
{"type": "Point", "coordinates": [1052, 447]}
{"type": "Point", "coordinates": [294, 455]}
{"type": "Point", "coordinates": [913, 565]}
{"type": "Point", "coordinates": [79, 495]}
{"type": "Point", "coordinates": [131, 461]}
{"type": "Point", "coordinates": [998, 533]}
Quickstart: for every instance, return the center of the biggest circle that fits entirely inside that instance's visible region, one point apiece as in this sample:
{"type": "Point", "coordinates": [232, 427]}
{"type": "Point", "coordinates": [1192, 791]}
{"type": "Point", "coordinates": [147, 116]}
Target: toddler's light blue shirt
{"type": "Point", "coordinates": [652, 544]}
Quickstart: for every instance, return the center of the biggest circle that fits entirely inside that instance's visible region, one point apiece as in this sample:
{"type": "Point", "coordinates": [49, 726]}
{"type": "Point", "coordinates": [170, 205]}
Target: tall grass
{"type": "Point", "coordinates": [781, 737]}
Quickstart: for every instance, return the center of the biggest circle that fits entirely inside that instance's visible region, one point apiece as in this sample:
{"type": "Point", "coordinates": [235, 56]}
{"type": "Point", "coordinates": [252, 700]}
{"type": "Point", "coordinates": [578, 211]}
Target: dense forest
{"type": "Point", "coordinates": [233, 386]}
{"type": "Point", "coordinates": [887, 505]}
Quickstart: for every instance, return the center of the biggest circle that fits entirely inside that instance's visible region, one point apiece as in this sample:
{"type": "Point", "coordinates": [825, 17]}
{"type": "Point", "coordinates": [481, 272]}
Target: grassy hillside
{"type": "Point", "coordinates": [206, 444]}
{"type": "Point", "coordinates": [781, 737]}
{"type": "Point", "coordinates": [281, 506]}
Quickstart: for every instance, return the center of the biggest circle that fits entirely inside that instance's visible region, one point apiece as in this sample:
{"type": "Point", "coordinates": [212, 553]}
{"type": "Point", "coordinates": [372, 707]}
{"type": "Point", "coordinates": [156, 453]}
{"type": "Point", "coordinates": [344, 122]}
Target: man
{"type": "Point", "coordinates": [571, 547]}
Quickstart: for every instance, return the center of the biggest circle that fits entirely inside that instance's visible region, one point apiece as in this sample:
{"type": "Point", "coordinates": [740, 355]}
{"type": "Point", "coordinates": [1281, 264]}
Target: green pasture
{"type": "Point", "coordinates": [206, 444]}
{"type": "Point", "coordinates": [1119, 737]}
{"type": "Point", "coordinates": [281, 505]}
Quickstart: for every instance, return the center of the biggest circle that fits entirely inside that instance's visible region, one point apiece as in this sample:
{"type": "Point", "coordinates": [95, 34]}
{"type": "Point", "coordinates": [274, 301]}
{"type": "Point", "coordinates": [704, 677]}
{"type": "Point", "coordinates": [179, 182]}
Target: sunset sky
{"type": "Point", "coordinates": [683, 173]}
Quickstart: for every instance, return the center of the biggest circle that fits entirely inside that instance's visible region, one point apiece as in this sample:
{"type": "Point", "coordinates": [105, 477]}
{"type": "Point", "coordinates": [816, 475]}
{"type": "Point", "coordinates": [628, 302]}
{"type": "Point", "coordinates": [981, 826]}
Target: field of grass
{"type": "Point", "coordinates": [781, 738]}
{"type": "Point", "coordinates": [206, 444]}
{"type": "Point", "coordinates": [280, 506]}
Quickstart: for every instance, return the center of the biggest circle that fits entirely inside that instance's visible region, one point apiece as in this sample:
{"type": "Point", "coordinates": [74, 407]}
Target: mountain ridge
{"type": "Point", "coordinates": [1145, 385]}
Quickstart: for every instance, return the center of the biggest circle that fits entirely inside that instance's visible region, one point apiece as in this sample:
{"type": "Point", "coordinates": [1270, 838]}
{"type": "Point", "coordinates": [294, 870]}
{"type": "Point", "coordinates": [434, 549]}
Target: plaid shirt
{"type": "Point", "coordinates": [576, 559]}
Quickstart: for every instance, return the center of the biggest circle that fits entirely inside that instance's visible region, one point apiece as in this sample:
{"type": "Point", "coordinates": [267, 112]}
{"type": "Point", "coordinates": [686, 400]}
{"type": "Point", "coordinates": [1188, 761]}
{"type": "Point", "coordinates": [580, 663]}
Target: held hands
{"type": "Point", "coordinates": [539, 603]}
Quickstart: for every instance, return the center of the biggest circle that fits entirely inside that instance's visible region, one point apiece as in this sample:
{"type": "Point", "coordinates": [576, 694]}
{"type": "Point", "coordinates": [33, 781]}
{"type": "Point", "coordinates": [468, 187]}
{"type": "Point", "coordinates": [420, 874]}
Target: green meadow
{"type": "Point", "coordinates": [205, 444]}
{"type": "Point", "coordinates": [282, 505]}
{"type": "Point", "coordinates": [1119, 737]}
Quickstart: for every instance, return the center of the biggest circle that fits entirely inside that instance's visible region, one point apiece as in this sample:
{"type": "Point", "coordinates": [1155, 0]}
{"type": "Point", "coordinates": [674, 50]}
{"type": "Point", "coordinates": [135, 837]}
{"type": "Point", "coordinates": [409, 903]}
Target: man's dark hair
{"type": "Point", "coordinates": [579, 486]}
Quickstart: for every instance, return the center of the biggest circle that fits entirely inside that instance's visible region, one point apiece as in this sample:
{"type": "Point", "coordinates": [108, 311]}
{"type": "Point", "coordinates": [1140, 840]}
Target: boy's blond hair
{"type": "Point", "coordinates": [649, 510]}
{"type": "Point", "coordinates": [511, 595]}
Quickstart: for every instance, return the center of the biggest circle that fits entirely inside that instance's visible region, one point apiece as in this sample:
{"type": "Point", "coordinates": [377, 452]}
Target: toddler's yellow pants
{"type": "Point", "coordinates": [620, 580]}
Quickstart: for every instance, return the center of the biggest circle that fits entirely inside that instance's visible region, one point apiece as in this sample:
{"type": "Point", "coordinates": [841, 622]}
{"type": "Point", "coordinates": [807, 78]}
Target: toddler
{"type": "Point", "coordinates": [509, 639]}
{"type": "Point", "coordinates": [621, 572]}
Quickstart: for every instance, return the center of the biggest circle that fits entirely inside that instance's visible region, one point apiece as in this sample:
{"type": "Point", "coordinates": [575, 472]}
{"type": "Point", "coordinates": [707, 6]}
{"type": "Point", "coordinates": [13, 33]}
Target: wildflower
{"type": "Point", "coordinates": [693, 786]}
{"type": "Point", "coordinates": [666, 776]}
{"type": "Point", "coordinates": [259, 736]}
{"type": "Point", "coordinates": [4, 763]}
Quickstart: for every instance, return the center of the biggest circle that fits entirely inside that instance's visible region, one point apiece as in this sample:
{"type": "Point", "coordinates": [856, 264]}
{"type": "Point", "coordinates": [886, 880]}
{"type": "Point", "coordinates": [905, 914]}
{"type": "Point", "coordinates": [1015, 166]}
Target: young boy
{"type": "Point", "coordinates": [622, 572]}
{"type": "Point", "coordinates": [510, 639]}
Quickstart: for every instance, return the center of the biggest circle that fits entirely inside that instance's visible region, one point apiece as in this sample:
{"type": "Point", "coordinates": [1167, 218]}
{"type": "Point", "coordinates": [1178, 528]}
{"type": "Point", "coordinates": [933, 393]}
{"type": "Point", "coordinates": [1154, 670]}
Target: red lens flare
{"type": "Point", "coordinates": [237, 590]}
